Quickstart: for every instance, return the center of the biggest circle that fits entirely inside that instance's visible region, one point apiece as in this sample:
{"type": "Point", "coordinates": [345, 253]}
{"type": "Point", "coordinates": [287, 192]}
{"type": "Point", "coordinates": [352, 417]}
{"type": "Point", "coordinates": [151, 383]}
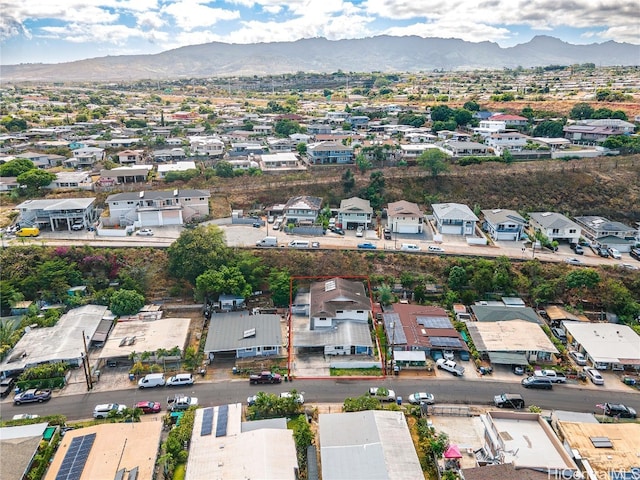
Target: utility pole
{"type": "Point", "coordinates": [85, 358]}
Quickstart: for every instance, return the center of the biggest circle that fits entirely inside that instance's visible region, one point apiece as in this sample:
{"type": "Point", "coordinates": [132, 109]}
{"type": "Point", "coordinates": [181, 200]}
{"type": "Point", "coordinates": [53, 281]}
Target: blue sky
{"type": "Point", "coordinates": [53, 31]}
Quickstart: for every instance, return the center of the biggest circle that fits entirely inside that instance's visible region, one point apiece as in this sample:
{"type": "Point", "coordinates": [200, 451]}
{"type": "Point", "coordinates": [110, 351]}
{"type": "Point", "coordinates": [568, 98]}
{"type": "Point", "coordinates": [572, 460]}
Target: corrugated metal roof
{"type": "Point", "coordinates": [226, 331]}
{"type": "Point", "coordinates": [343, 333]}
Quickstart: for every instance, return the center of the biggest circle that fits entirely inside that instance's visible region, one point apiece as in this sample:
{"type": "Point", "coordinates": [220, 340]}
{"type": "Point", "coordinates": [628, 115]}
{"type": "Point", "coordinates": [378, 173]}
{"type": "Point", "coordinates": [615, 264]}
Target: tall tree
{"type": "Point", "coordinates": [225, 279]}
{"type": "Point", "coordinates": [126, 302]}
{"type": "Point", "coordinates": [433, 160]}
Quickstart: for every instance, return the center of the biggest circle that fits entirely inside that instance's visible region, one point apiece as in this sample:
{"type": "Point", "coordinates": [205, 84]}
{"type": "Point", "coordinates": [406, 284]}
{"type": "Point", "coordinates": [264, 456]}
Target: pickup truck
{"type": "Point", "coordinates": [555, 377]}
{"type": "Point", "coordinates": [181, 402]}
{"type": "Point", "coordinates": [32, 395]}
{"type": "Point", "coordinates": [450, 366]}
{"type": "Point", "coordinates": [265, 377]}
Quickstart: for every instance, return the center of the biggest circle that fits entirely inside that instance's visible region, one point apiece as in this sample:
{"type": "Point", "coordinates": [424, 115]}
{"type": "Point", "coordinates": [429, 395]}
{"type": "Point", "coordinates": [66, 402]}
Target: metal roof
{"type": "Point", "coordinates": [342, 333]}
{"type": "Point", "coordinates": [226, 331]}
{"type": "Point", "coordinates": [497, 313]}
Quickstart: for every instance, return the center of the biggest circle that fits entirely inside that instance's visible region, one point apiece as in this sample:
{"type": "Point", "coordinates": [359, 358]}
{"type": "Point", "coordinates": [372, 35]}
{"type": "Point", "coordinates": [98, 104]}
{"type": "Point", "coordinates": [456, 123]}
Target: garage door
{"type": "Point", "coordinates": [149, 219]}
{"type": "Point", "coordinates": [407, 228]}
{"type": "Point", "coordinates": [171, 217]}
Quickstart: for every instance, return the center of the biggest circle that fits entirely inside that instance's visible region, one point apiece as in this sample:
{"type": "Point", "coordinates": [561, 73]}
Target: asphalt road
{"type": "Point", "coordinates": [334, 390]}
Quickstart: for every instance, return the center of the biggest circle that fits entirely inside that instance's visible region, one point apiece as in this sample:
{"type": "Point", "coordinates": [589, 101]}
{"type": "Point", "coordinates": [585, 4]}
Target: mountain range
{"type": "Point", "coordinates": [381, 53]}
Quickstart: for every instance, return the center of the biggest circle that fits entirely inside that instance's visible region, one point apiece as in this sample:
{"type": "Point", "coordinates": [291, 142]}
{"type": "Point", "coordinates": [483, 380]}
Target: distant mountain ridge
{"type": "Point", "coordinates": [381, 53]}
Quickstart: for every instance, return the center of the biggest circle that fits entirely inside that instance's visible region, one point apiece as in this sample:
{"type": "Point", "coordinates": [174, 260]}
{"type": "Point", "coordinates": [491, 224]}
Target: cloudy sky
{"type": "Point", "coordinates": [53, 31]}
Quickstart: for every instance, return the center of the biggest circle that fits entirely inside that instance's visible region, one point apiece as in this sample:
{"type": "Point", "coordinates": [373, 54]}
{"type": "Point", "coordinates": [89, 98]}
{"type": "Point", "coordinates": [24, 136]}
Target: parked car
{"type": "Point", "coordinates": [628, 266]}
{"type": "Point", "coordinates": [180, 379]}
{"type": "Point", "coordinates": [315, 244]}
{"type": "Point", "coordinates": [619, 410]}
{"type": "Point", "coordinates": [435, 249]}
{"type": "Point", "coordinates": [337, 230]}
{"type": "Point", "coordinates": [145, 232]}
{"type": "Point", "coordinates": [77, 226]}
{"type": "Point", "coordinates": [594, 376]}
{"type": "Point", "coordinates": [32, 395]}
{"type": "Point", "coordinates": [148, 407]}
{"type": "Point", "coordinates": [517, 369]}
{"type": "Point", "coordinates": [509, 400]}
{"type": "Point", "coordinates": [383, 394]}
{"type": "Point", "coordinates": [603, 252]}
{"type": "Point", "coordinates": [559, 334]}
{"type": "Point", "coordinates": [409, 247]}
{"type": "Point", "coordinates": [103, 410]}
{"type": "Point", "coordinates": [537, 382]}
{"type": "Point", "coordinates": [578, 357]}
{"type": "Point", "coordinates": [555, 377]}
{"type": "Point", "coordinates": [615, 253]}
{"type": "Point", "coordinates": [635, 253]}
{"type": "Point", "coordinates": [367, 246]}
{"type": "Point", "coordinates": [181, 402]}
{"type": "Point", "coordinates": [448, 354]}
{"type": "Point", "coordinates": [152, 380]}
{"type": "Point", "coordinates": [299, 398]}
{"type": "Point", "coordinates": [386, 233]}
{"type": "Point", "coordinates": [572, 261]}
{"type": "Point", "coordinates": [421, 397]}
{"type": "Point", "coordinates": [25, 416]}
{"type": "Point", "coordinates": [257, 224]}
{"type": "Point", "coordinates": [6, 386]}
{"type": "Point", "coordinates": [360, 232]}
{"type": "Point", "coordinates": [577, 248]}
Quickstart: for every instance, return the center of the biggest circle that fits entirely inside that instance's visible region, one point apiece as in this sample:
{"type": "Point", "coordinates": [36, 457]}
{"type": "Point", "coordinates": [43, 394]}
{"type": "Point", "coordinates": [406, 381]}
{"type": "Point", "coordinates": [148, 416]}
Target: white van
{"type": "Point", "coordinates": [299, 244]}
{"type": "Point", "coordinates": [151, 380]}
{"type": "Point", "coordinates": [267, 242]}
{"type": "Point", "coordinates": [180, 379]}
{"type": "Point", "coordinates": [409, 247]}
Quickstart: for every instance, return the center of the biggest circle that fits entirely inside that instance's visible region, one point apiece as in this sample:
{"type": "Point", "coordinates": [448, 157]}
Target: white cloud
{"type": "Point", "coordinates": [150, 20]}
{"type": "Point", "coordinates": [191, 14]}
{"type": "Point", "coordinates": [471, 32]}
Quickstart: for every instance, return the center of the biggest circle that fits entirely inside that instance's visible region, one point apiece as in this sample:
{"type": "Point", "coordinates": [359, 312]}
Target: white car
{"type": "Point", "coordinates": [180, 379]}
{"type": "Point", "coordinates": [628, 266]}
{"type": "Point", "coordinates": [594, 376]}
{"type": "Point", "coordinates": [421, 397]}
{"type": "Point", "coordinates": [103, 411]}
{"type": "Point", "coordinates": [145, 232]}
{"type": "Point", "coordinates": [579, 358]}
{"type": "Point", "coordinates": [448, 354]}
{"type": "Point", "coordinates": [383, 394]}
{"type": "Point", "coordinates": [299, 397]}
{"type": "Point", "coordinates": [615, 253]}
{"type": "Point", "coordinates": [572, 261]}
{"type": "Point", "coordinates": [360, 232]}
{"type": "Point", "coordinates": [25, 416]}
{"type": "Point", "coordinates": [435, 248]}
{"type": "Point", "coordinates": [77, 227]}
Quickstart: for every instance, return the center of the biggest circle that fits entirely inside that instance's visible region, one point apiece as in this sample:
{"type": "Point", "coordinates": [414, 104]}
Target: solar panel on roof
{"type": "Point", "coordinates": [120, 474]}
{"type": "Point", "coordinates": [133, 474]}
{"type": "Point", "coordinates": [223, 417]}
{"type": "Point", "coordinates": [445, 342]}
{"type": "Point", "coordinates": [207, 422]}
{"type": "Point", "coordinates": [434, 322]}
{"type": "Point", "coordinates": [76, 457]}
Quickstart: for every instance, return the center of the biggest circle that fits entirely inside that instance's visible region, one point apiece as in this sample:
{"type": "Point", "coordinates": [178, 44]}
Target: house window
{"type": "Point", "coordinates": [359, 311]}
{"type": "Point", "coordinates": [322, 319]}
{"type": "Point", "coordinates": [129, 203]}
{"type": "Point", "coordinates": [572, 230]}
{"type": "Point", "coordinates": [248, 349]}
{"type": "Point", "coordinates": [201, 199]}
{"type": "Point", "coordinates": [339, 311]}
{"type": "Point", "coordinates": [187, 199]}
{"type": "Point", "coordinates": [115, 203]}
{"type": "Point", "coordinates": [268, 349]}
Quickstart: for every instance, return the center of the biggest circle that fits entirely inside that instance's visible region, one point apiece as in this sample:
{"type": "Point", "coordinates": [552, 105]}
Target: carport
{"type": "Point", "coordinates": [508, 358]}
{"type": "Point", "coordinates": [416, 358]}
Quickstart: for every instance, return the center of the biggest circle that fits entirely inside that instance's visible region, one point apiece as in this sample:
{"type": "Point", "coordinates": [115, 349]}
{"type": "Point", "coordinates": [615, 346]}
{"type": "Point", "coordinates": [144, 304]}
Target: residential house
{"type": "Point", "coordinates": [263, 129]}
{"type": "Point", "coordinates": [501, 312]}
{"type": "Point", "coordinates": [421, 328]}
{"type": "Point", "coordinates": [487, 127]}
{"type": "Point", "coordinates": [411, 151]}
{"type": "Point", "coordinates": [454, 219]}
{"type": "Point", "coordinates": [245, 149]}
{"type": "Point", "coordinates": [221, 445]}
{"type": "Point", "coordinates": [240, 335]}
{"type": "Point", "coordinates": [210, 146]}
{"type": "Point", "coordinates": [130, 174]}
{"type": "Point", "coordinates": [169, 155]}
{"type": "Point", "coordinates": [405, 217]}
{"type": "Point", "coordinates": [622, 126]}
{"type": "Point", "coordinates": [244, 164]}
{"type": "Point", "coordinates": [528, 442]}
{"type": "Point", "coordinates": [607, 346]}
{"type": "Point", "coordinates": [366, 445]}
{"type": "Point", "coordinates": [163, 170]}
{"type": "Point", "coordinates": [8, 183]}
{"type": "Point", "coordinates": [420, 137]}
{"type": "Point", "coordinates": [503, 225]}
{"type": "Point", "coordinates": [297, 138]}
{"type": "Point", "coordinates": [355, 212]}
{"type": "Point", "coordinates": [589, 134]}
{"type": "Point", "coordinates": [281, 161]}
{"type": "Point", "coordinates": [512, 342]}
{"type": "Point", "coordinates": [129, 157]}
{"type": "Point", "coordinates": [72, 180]}
{"type": "Point", "coordinates": [463, 149]}
{"type": "Point", "coordinates": [337, 117]}
{"type": "Point", "coordinates": [302, 209]}
{"type": "Point", "coordinates": [58, 213]}
{"type": "Point", "coordinates": [510, 120]}
{"type": "Point", "coordinates": [123, 142]}
{"type": "Point", "coordinates": [278, 145]}
{"type": "Point", "coordinates": [40, 160]}
{"type": "Point", "coordinates": [555, 226]}
{"type": "Point", "coordinates": [511, 141]}
{"type": "Point", "coordinates": [19, 445]}
{"type": "Point", "coordinates": [337, 323]}
{"type": "Point", "coordinates": [87, 157]}
{"type": "Point", "coordinates": [358, 122]}
{"type": "Point", "coordinates": [607, 233]}
{"type": "Point", "coordinates": [157, 208]}
{"type": "Point", "coordinates": [329, 153]}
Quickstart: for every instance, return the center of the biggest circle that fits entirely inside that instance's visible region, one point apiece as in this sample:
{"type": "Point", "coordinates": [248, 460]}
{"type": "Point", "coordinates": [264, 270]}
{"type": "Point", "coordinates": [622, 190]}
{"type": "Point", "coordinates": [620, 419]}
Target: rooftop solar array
{"type": "Point", "coordinates": [223, 417]}
{"type": "Point", "coordinates": [445, 342]}
{"type": "Point", "coordinates": [434, 322]}
{"type": "Point", "coordinates": [207, 422]}
{"type": "Point", "coordinates": [76, 457]}
{"type": "Point", "coordinates": [395, 334]}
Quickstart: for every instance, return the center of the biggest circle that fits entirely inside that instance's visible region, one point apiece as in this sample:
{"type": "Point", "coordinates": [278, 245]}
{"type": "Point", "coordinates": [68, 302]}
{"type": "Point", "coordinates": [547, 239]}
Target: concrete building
{"type": "Point", "coordinates": [607, 346]}
{"type": "Point", "coordinates": [222, 448]}
{"type": "Point", "coordinates": [64, 342]}
{"type": "Point", "coordinates": [108, 451]}
{"type": "Point", "coordinates": [366, 445]}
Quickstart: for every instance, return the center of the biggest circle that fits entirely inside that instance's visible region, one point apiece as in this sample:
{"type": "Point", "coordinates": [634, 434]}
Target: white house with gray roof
{"type": "Point", "coordinates": [57, 214]}
{"type": "Point", "coordinates": [405, 217]}
{"type": "Point", "coordinates": [157, 208]}
{"type": "Point", "coordinates": [454, 219]}
{"type": "Point", "coordinates": [555, 226]}
{"type": "Point", "coordinates": [608, 233]}
{"type": "Point", "coordinates": [503, 224]}
{"type": "Point", "coordinates": [355, 212]}
{"type": "Point", "coordinates": [241, 335]}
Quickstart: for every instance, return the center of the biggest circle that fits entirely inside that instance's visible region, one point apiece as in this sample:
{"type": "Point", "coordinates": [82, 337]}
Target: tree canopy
{"type": "Point", "coordinates": [433, 160]}
{"type": "Point", "coordinates": [16, 167]}
{"type": "Point", "coordinates": [126, 302]}
{"type": "Point", "coordinates": [225, 279]}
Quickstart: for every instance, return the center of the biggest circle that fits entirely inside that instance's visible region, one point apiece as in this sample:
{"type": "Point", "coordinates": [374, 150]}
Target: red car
{"type": "Point", "coordinates": [148, 407]}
